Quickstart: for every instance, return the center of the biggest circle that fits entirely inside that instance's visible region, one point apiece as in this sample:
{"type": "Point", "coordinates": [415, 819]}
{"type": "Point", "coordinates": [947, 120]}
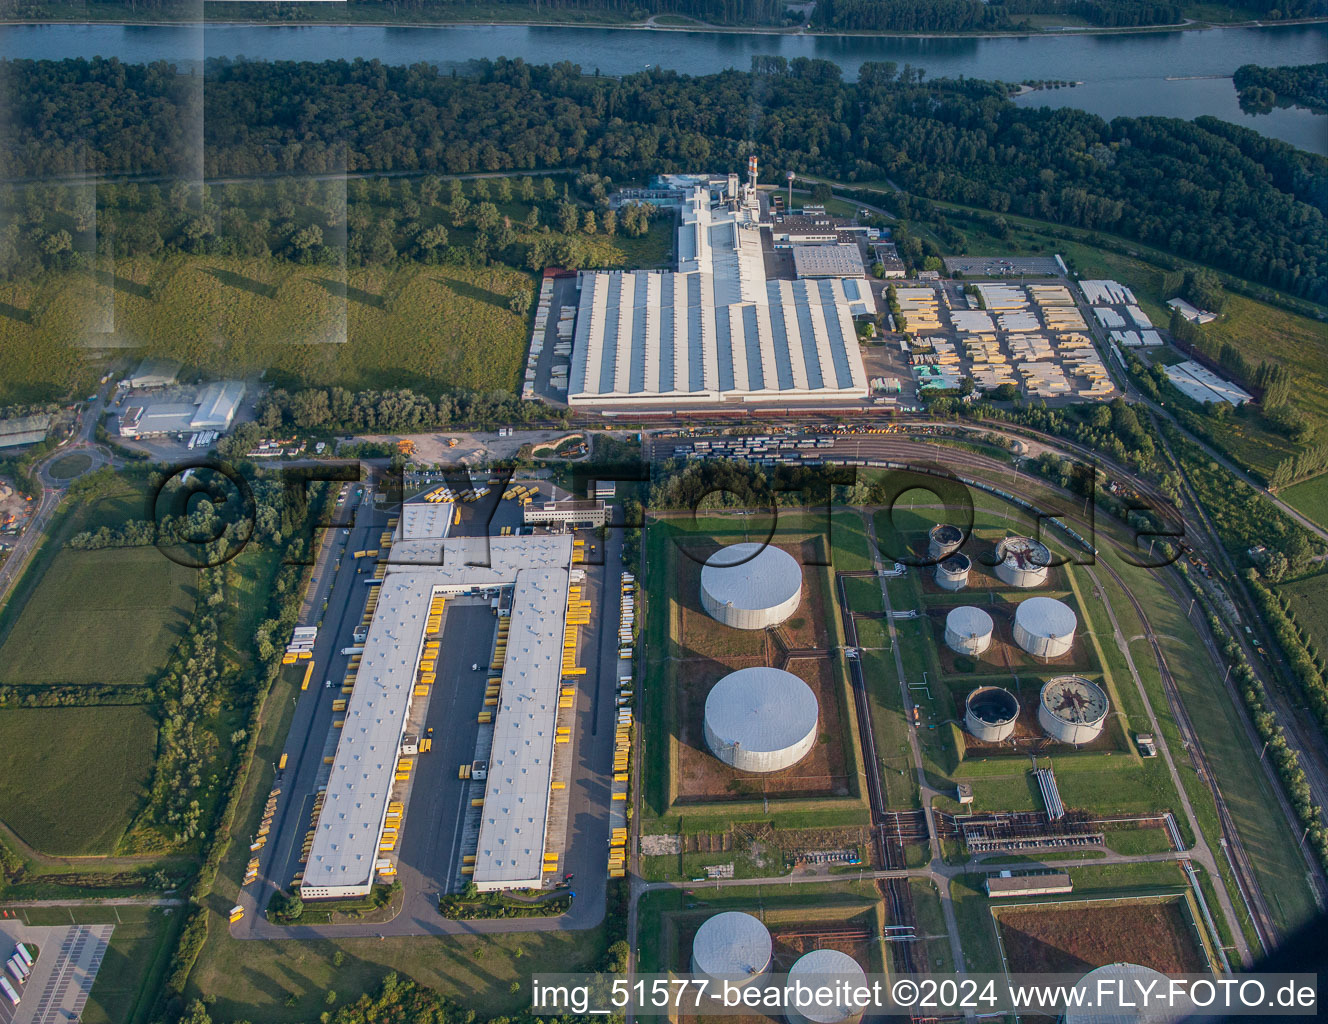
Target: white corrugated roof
{"type": "Point", "coordinates": [717, 327]}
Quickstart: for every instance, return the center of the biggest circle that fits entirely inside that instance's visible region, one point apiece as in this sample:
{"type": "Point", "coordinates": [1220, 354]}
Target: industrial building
{"type": "Point", "coordinates": [761, 719]}
{"type": "Point", "coordinates": [510, 854]}
{"type": "Point", "coordinates": [1201, 384]}
{"type": "Point", "coordinates": [574, 513]}
{"type": "Point", "coordinates": [733, 947]}
{"type": "Point", "coordinates": [990, 714]}
{"type": "Point", "coordinates": [952, 571]}
{"type": "Point", "coordinates": [1022, 562]}
{"type": "Point", "coordinates": [943, 539]}
{"type": "Point", "coordinates": [153, 373]}
{"type": "Point", "coordinates": [21, 430]}
{"type": "Point", "coordinates": [1044, 627]}
{"type": "Point", "coordinates": [827, 968]}
{"type": "Point", "coordinates": [211, 407]}
{"type": "Point", "coordinates": [1034, 883]}
{"type": "Point", "coordinates": [839, 259]}
{"type": "Point", "coordinates": [1072, 709]}
{"type": "Point", "coordinates": [751, 585]}
{"type": "Point", "coordinates": [968, 630]}
{"type": "Point", "coordinates": [716, 330]}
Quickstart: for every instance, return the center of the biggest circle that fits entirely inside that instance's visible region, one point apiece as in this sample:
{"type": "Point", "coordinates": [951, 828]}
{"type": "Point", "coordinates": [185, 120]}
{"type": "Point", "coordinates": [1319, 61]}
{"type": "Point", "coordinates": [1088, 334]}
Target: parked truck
{"type": "Point", "coordinates": [9, 991]}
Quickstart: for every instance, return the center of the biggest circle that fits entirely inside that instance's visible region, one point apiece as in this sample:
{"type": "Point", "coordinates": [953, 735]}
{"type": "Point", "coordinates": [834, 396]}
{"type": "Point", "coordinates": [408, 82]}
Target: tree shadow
{"type": "Point", "coordinates": [23, 316]}
{"type": "Point", "coordinates": [105, 277]}
{"type": "Point", "coordinates": [248, 284]}
{"type": "Point", "coordinates": [471, 291]}
{"type": "Point", "coordinates": [345, 291]}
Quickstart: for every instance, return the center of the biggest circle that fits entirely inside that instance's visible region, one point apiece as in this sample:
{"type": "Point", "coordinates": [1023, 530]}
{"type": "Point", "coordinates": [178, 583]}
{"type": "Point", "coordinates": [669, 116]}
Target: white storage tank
{"type": "Point", "coordinates": [826, 968]}
{"type": "Point", "coordinates": [968, 630]}
{"type": "Point", "coordinates": [1022, 562]}
{"type": "Point", "coordinates": [943, 540]}
{"type": "Point", "coordinates": [1072, 709]}
{"type": "Point", "coordinates": [1112, 997]}
{"type": "Point", "coordinates": [1044, 627]}
{"type": "Point", "coordinates": [751, 585]}
{"type": "Point", "coordinates": [952, 572]}
{"type": "Point", "coordinates": [761, 719]}
{"type": "Point", "coordinates": [733, 946]}
{"type": "Point", "coordinates": [990, 713]}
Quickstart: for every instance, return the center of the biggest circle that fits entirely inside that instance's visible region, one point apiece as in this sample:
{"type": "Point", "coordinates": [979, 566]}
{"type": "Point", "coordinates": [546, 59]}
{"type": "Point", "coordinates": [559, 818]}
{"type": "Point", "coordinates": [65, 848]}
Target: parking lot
{"type": "Point", "coordinates": [1008, 266]}
{"type": "Point", "coordinates": [68, 958]}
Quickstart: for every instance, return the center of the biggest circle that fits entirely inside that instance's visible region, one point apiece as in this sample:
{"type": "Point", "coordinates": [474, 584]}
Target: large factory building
{"type": "Point", "coordinates": [716, 330]}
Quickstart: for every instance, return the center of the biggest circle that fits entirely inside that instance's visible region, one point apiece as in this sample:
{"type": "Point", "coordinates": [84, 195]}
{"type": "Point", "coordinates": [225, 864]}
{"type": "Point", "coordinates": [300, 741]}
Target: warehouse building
{"type": "Point", "coordinates": [843, 259]}
{"type": "Point", "coordinates": [153, 373]}
{"type": "Point", "coordinates": [751, 585]}
{"type": "Point", "coordinates": [574, 513]}
{"type": "Point", "coordinates": [510, 853]}
{"type": "Point", "coordinates": [716, 330]}
{"type": "Point", "coordinates": [21, 430]}
{"type": "Point", "coordinates": [212, 407]}
{"type": "Point", "coordinates": [1035, 883]}
{"type": "Point", "coordinates": [761, 719]}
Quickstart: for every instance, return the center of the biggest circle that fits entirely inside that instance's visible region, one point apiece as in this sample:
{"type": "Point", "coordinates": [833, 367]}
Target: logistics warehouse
{"type": "Point", "coordinates": [716, 330]}
{"type": "Point", "coordinates": [343, 859]}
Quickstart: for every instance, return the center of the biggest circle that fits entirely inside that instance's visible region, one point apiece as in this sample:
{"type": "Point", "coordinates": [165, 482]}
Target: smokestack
{"type": "Point", "coordinates": [789, 175]}
{"type": "Point", "coordinates": [751, 171]}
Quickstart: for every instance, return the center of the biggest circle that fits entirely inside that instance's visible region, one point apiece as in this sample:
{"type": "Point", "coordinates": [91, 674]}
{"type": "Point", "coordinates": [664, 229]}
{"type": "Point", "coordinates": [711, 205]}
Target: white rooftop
{"type": "Point", "coordinates": [716, 329]}
{"type": "Point", "coordinates": [345, 844]}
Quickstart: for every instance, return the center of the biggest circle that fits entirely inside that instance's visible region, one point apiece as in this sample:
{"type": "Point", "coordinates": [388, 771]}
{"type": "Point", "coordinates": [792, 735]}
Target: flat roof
{"type": "Point", "coordinates": [1025, 883]}
{"type": "Point", "coordinates": [843, 259]}
{"type": "Point", "coordinates": [715, 329]}
{"type": "Point", "coordinates": [516, 792]}
{"type": "Point", "coordinates": [345, 845]}
{"type": "Point", "coordinates": [422, 520]}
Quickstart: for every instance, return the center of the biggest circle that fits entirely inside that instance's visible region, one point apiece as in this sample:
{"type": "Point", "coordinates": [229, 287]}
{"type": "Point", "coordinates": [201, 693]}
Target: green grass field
{"type": "Point", "coordinates": [1309, 601]}
{"type": "Point", "coordinates": [74, 775]}
{"type": "Point", "coordinates": [1309, 498]}
{"type": "Point", "coordinates": [109, 616]}
{"type": "Point", "coordinates": [70, 466]}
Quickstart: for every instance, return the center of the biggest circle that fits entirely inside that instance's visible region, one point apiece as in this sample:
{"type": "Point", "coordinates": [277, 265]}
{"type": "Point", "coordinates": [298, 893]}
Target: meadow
{"type": "Point", "coordinates": [72, 791]}
{"type": "Point", "coordinates": [1309, 498]}
{"type": "Point", "coordinates": [110, 616]}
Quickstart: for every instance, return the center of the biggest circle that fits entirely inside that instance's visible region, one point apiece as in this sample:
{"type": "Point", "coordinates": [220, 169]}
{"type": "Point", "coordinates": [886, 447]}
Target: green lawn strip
{"type": "Point", "coordinates": [931, 924]}
{"type": "Point", "coordinates": [134, 966]}
{"type": "Point", "coordinates": [852, 553]}
{"type": "Point", "coordinates": [110, 616]}
{"type": "Point", "coordinates": [1263, 828]}
{"type": "Point", "coordinates": [898, 777]}
{"type": "Point", "coordinates": [76, 775]}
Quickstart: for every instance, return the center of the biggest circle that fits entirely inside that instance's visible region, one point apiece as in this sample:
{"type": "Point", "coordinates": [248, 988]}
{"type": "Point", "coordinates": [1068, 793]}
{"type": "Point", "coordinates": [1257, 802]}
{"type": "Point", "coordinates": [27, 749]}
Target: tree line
{"type": "Point", "coordinates": [1260, 89]}
{"type": "Point", "coordinates": [1207, 190]}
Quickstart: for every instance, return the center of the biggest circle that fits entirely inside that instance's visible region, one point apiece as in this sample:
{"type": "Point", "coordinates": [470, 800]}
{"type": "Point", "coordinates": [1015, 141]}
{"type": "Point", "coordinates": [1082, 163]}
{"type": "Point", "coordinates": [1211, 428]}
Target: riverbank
{"type": "Point", "coordinates": [312, 15]}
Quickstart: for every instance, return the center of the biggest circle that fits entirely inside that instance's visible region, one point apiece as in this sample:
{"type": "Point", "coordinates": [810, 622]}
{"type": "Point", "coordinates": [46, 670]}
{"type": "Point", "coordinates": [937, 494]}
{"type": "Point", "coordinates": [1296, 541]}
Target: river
{"type": "Point", "coordinates": [1178, 74]}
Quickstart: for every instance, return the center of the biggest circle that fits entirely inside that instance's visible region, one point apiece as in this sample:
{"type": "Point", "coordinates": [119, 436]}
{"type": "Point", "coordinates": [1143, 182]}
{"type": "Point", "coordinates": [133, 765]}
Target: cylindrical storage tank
{"type": "Point", "coordinates": [990, 713]}
{"type": "Point", "coordinates": [952, 572]}
{"type": "Point", "coordinates": [943, 540]}
{"type": "Point", "coordinates": [1072, 709]}
{"type": "Point", "coordinates": [968, 630]}
{"type": "Point", "coordinates": [826, 968]}
{"type": "Point", "coordinates": [751, 585]}
{"type": "Point", "coordinates": [1044, 627]}
{"type": "Point", "coordinates": [1112, 992]}
{"type": "Point", "coordinates": [733, 946]}
{"type": "Point", "coordinates": [761, 719]}
{"type": "Point", "coordinates": [1022, 562]}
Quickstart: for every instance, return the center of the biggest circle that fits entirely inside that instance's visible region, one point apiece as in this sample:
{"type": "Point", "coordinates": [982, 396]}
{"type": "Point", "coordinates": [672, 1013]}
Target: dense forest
{"type": "Point", "coordinates": [1260, 89]}
{"type": "Point", "coordinates": [846, 15]}
{"type": "Point", "coordinates": [1206, 190]}
{"type": "Point", "coordinates": [976, 16]}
